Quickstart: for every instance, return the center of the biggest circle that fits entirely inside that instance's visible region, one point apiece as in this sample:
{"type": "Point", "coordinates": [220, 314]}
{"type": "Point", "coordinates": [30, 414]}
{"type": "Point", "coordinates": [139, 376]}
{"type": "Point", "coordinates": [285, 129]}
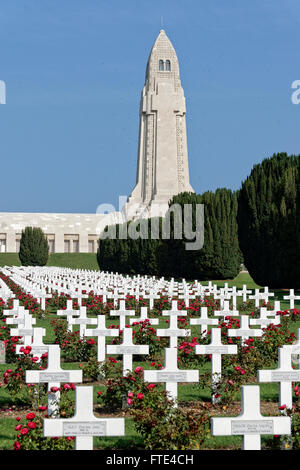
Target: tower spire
{"type": "Point", "coordinates": [162, 169]}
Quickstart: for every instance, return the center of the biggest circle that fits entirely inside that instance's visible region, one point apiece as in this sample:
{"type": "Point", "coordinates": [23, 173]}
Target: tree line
{"type": "Point", "coordinates": [258, 225]}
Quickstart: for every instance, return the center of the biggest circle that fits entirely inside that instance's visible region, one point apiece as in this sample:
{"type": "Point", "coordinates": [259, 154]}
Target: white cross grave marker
{"type": "Point", "coordinates": [224, 300]}
{"type": "Point", "coordinates": [69, 313]}
{"type": "Point", "coordinates": [14, 310]}
{"type": "Point", "coordinates": [250, 423]}
{"type": "Point", "coordinates": [170, 374]}
{"type": "Point", "coordinates": [54, 375]}
{"type": "Point", "coordinates": [295, 348]}
{"type": "Point", "coordinates": [173, 332]}
{"type": "Point", "coordinates": [127, 349]}
{"type": "Point", "coordinates": [122, 313]}
{"type": "Point", "coordinates": [264, 320]}
{"type": "Point", "coordinates": [82, 321]}
{"type": "Point", "coordinates": [84, 425]}
{"type": "Point", "coordinates": [225, 311]}
{"type": "Point", "coordinates": [101, 332]}
{"type": "Point", "coordinates": [204, 320]}
{"type": "Point", "coordinates": [244, 292]}
{"type": "Point", "coordinates": [216, 349]}
{"type": "Point", "coordinates": [284, 374]}
{"type": "Point", "coordinates": [244, 332]}
{"type": "Point", "coordinates": [38, 348]}
{"type": "Point", "coordinates": [257, 297]}
{"type": "Point", "coordinates": [143, 317]}
{"type": "Point", "coordinates": [25, 329]}
{"type": "Point", "coordinates": [151, 296]}
{"type": "Point", "coordinates": [292, 297]}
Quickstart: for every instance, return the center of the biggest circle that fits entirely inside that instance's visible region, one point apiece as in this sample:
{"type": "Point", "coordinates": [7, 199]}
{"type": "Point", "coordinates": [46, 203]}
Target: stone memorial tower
{"type": "Point", "coordinates": [162, 167]}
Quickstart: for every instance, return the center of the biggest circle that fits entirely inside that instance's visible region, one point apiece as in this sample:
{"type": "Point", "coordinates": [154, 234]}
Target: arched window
{"type": "Point", "coordinates": [161, 65]}
{"type": "Point", "coordinates": [168, 65]}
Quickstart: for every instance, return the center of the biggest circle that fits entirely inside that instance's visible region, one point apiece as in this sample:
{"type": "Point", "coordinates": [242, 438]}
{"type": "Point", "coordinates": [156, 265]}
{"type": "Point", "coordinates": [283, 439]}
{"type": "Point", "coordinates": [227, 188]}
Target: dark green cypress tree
{"type": "Point", "coordinates": [220, 256]}
{"type": "Point", "coordinates": [268, 220]}
{"type": "Point", "coordinates": [34, 248]}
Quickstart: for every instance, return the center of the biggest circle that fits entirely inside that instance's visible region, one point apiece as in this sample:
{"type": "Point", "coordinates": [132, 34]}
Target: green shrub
{"type": "Point", "coordinates": [269, 222]}
{"type": "Point", "coordinates": [34, 248]}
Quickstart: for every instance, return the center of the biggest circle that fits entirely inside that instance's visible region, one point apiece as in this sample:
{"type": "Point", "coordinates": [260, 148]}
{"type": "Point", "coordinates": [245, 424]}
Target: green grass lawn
{"type": "Point", "coordinates": [64, 260]}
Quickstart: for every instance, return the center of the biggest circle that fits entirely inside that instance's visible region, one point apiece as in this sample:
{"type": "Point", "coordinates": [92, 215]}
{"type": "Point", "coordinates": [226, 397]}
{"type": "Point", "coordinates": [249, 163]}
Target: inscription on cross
{"type": "Point", "coordinates": [250, 424]}
{"type": "Point", "coordinates": [84, 425]}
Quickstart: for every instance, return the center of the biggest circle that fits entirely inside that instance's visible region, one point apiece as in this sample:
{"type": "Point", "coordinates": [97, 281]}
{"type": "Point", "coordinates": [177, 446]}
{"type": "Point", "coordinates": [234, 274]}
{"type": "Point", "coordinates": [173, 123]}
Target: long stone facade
{"type": "Point", "coordinates": [66, 233]}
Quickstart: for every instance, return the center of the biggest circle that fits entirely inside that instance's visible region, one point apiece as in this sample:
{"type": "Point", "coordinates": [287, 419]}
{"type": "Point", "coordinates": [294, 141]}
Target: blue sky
{"type": "Point", "coordinates": [74, 71]}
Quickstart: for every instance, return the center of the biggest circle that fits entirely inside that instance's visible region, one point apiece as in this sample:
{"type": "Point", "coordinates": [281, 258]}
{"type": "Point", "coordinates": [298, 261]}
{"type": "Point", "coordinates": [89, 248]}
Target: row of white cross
{"type": "Point", "coordinates": [84, 425]}
{"type": "Point", "coordinates": [127, 348]}
{"type": "Point", "coordinates": [5, 292]}
{"type": "Point", "coordinates": [37, 281]}
{"type": "Point", "coordinates": [250, 423]}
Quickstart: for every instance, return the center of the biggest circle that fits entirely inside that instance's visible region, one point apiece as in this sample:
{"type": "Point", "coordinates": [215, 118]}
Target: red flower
{"type": "Point", "coordinates": [150, 386]}
{"type": "Point", "coordinates": [140, 396]}
{"type": "Point", "coordinates": [24, 431]}
{"type": "Point", "coordinates": [31, 425]}
{"type": "Point", "coordinates": [17, 445]}
{"type": "Point", "coordinates": [30, 416]}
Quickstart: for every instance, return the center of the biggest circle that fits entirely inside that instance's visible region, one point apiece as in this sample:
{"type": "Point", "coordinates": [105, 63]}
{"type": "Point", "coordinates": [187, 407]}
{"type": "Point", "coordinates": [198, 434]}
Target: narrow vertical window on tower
{"type": "Point", "coordinates": [168, 66]}
{"type": "Point", "coordinates": [161, 65]}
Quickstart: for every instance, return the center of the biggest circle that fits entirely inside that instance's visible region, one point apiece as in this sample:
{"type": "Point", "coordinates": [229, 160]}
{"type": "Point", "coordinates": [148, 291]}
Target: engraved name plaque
{"type": "Point", "coordinates": [251, 427]}
{"type": "Point", "coordinates": [215, 349]}
{"type": "Point", "coordinates": [25, 333]}
{"type": "Point", "coordinates": [54, 377]}
{"type": "Point", "coordinates": [288, 376]}
{"type": "Point", "coordinates": [171, 377]}
{"type": "Point", "coordinates": [130, 350]}
{"type": "Point", "coordinates": [84, 429]}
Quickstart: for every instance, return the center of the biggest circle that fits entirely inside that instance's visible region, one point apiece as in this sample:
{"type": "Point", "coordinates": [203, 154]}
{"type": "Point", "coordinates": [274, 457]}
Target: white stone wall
{"type": "Point", "coordinates": [61, 225]}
